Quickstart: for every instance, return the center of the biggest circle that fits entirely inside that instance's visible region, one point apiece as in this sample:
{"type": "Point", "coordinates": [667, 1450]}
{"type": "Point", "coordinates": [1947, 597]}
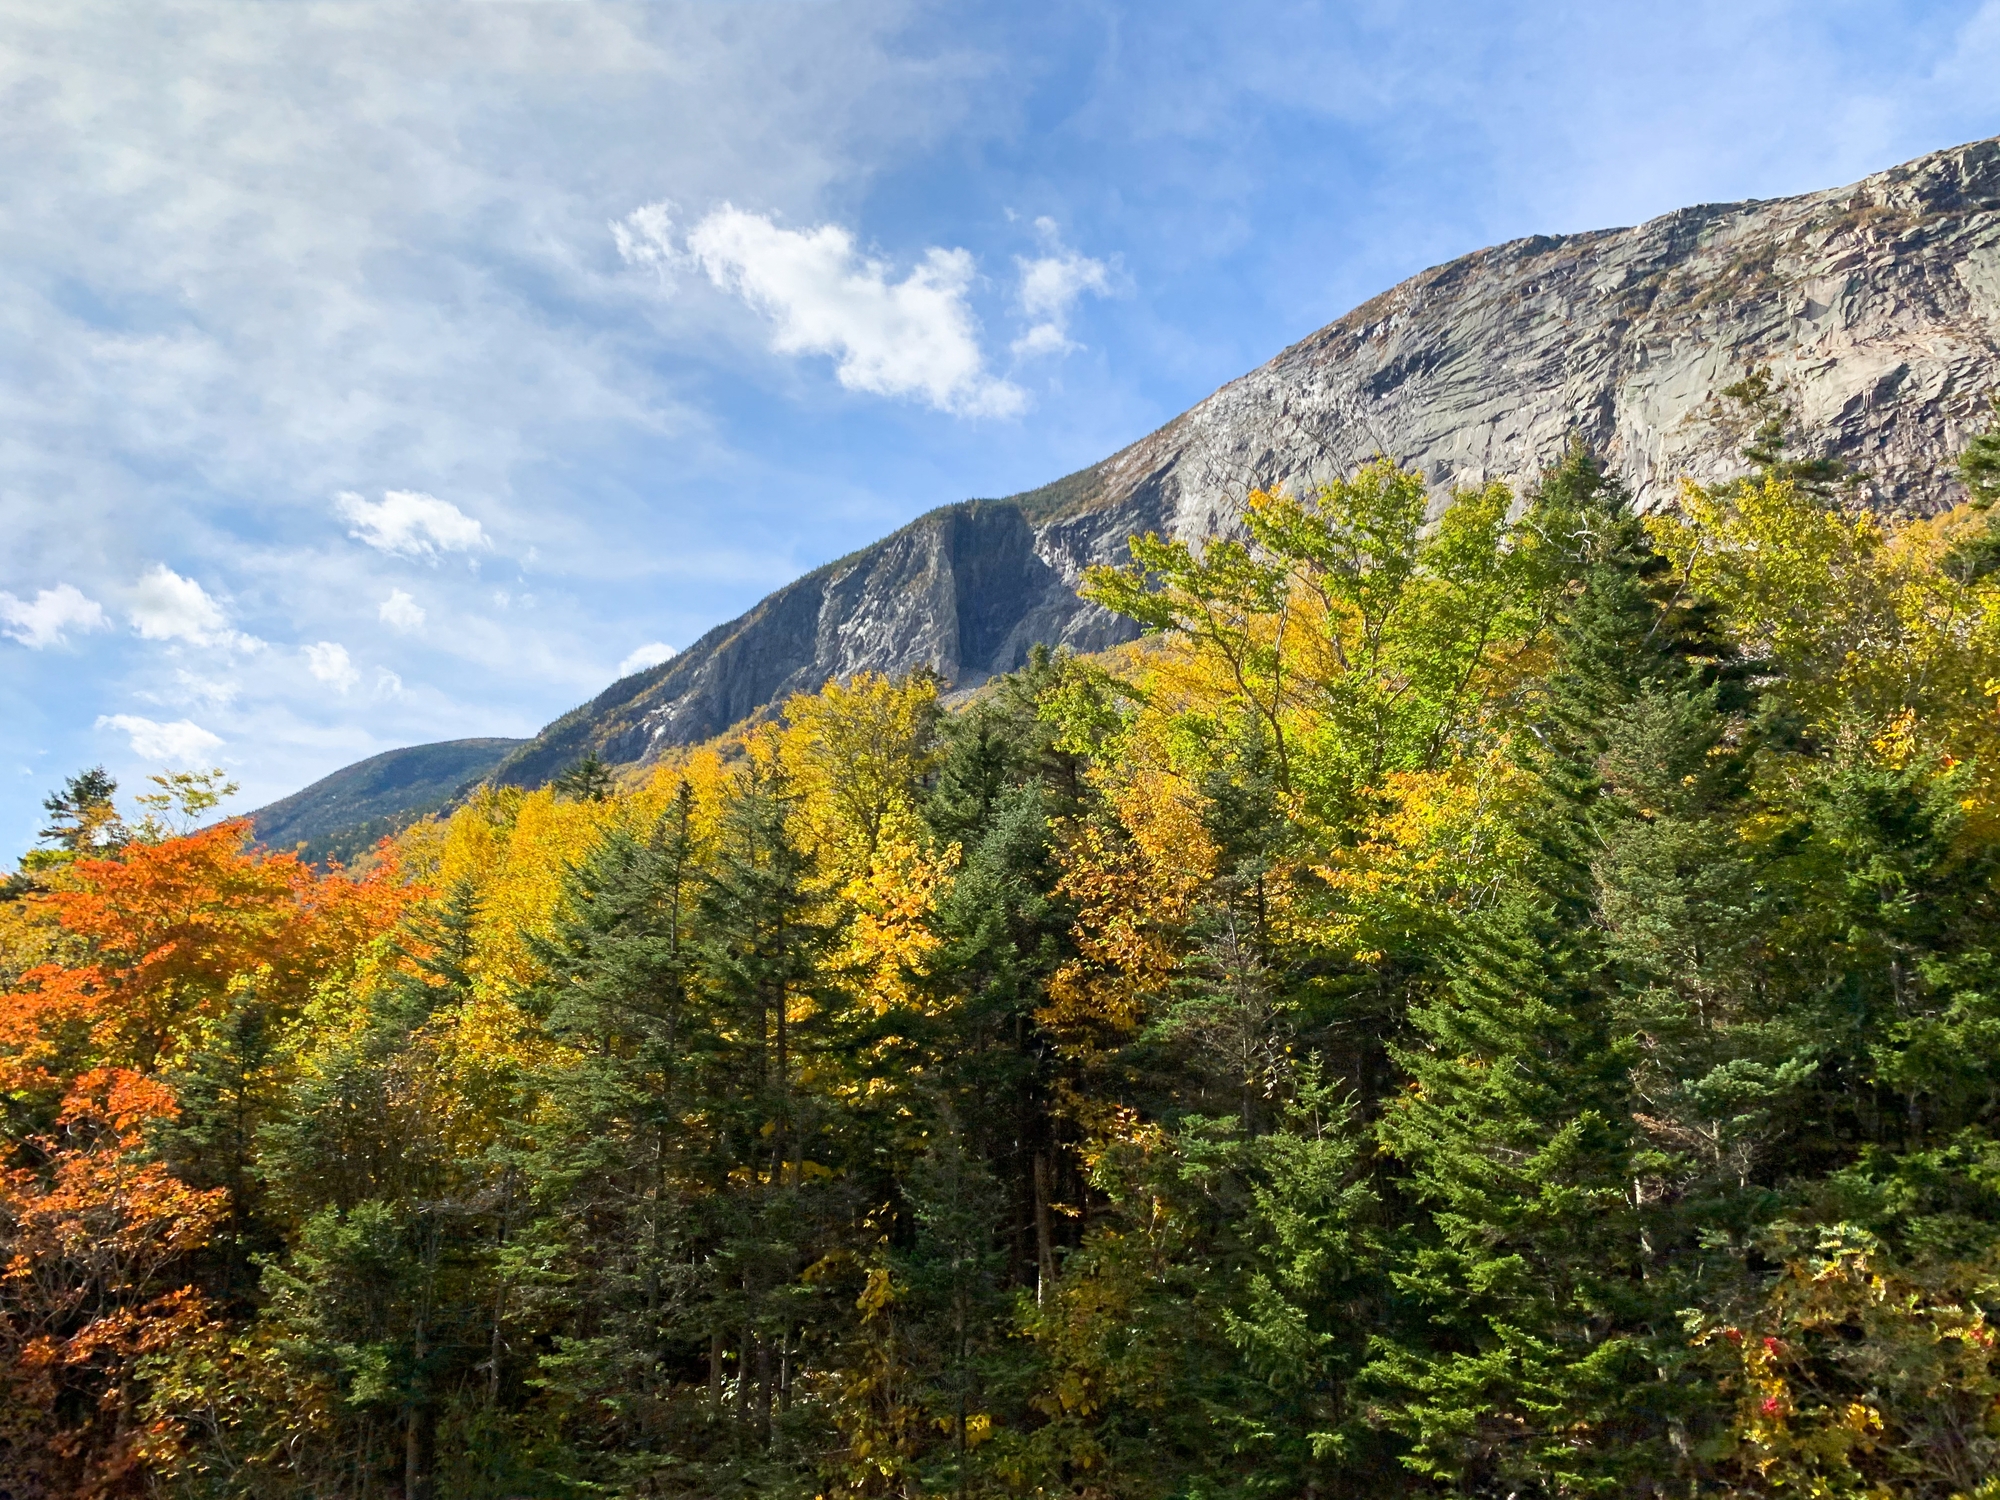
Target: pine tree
{"type": "Point", "coordinates": [766, 942]}
{"type": "Point", "coordinates": [1001, 787]}
{"type": "Point", "coordinates": [389, 1290]}
{"type": "Point", "coordinates": [1762, 400]}
{"type": "Point", "coordinates": [1979, 465]}
{"type": "Point", "coordinates": [83, 820]}
{"type": "Point", "coordinates": [588, 780]}
{"type": "Point", "coordinates": [612, 1254]}
{"type": "Point", "coordinates": [1549, 1314]}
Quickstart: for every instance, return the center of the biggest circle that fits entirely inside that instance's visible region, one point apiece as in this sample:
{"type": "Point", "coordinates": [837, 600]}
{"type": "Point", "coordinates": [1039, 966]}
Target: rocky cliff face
{"type": "Point", "coordinates": [1878, 305]}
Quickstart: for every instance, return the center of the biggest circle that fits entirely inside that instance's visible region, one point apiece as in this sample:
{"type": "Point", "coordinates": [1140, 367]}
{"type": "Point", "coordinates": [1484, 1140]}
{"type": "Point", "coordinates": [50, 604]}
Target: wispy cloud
{"type": "Point", "coordinates": [916, 336]}
{"type": "Point", "coordinates": [179, 742]}
{"type": "Point", "coordinates": [645, 237]}
{"type": "Point", "coordinates": [1050, 286]}
{"type": "Point", "coordinates": [45, 620]}
{"type": "Point", "coordinates": [212, 692]}
{"type": "Point", "coordinates": [410, 523]}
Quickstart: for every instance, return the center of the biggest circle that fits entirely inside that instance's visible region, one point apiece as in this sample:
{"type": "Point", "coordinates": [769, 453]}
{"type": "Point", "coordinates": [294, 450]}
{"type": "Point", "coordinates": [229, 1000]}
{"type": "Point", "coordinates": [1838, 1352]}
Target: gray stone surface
{"type": "Point", "coordinates": [1877, 304]}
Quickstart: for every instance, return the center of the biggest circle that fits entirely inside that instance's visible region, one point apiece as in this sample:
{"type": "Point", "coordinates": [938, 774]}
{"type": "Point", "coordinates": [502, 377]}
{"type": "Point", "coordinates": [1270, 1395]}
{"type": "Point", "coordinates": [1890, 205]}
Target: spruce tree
{"type": "Point", "coordinates": [763, 966]}
{"type": "Point", "coordinates": [614, 1247]}
{"type": "Point", "coordinates": [389, 1289]}
{"type": "Point", "coordinates": [1548, 1324]}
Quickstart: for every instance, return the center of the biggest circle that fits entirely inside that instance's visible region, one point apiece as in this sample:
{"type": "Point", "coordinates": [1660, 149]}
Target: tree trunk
{"type": "Point", "coordinates": [1045, 1252]}
{"type": "Point", "coordinates": [419, 1451]}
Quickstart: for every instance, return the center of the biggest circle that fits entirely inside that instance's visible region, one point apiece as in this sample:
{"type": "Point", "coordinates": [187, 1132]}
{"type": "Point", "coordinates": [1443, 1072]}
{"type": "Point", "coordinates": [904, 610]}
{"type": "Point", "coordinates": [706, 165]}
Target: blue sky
{"type": "Point", "coordinates": [375, 374]}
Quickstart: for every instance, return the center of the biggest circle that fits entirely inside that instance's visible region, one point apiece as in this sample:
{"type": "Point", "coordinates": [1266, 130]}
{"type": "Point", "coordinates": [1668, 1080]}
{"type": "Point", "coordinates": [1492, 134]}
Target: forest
{"type": "Point", "coordinates": [1498, 1000]}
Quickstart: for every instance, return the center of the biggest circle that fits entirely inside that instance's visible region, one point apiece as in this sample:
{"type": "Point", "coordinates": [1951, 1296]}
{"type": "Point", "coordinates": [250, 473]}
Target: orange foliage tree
{"type": "Point", "coordinates": [100, 1240]}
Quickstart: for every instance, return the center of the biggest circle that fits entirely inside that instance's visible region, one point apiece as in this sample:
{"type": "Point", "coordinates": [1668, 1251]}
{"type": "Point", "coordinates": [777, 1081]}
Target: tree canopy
{"type": "Point", "coordinates": [1486, 999]}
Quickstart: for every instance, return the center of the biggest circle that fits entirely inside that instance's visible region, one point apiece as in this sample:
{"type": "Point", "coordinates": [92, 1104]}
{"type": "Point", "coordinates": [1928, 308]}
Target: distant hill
{"type": "Point", "coordinates": [343, 815]}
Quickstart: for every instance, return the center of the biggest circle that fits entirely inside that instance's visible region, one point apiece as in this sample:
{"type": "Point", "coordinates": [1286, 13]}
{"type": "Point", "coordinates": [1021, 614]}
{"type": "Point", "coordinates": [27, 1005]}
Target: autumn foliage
{"type": "Point", "coordinates": [103, 1238]}
{"type": "Point", "coordinates": [1498, 999]}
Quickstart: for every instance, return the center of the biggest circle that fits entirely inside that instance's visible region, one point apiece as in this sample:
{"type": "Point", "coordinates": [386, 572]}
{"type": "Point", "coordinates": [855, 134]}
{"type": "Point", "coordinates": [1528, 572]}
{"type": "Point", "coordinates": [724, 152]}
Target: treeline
{"type": "Point", "coordinates": [1505, 1004]}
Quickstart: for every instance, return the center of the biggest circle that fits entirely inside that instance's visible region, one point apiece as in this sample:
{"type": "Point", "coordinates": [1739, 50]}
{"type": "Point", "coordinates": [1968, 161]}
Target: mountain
{"type": "Point", "coordinates": [1877, 304]}
{"type": "Point", "coordinates": [342, 815]}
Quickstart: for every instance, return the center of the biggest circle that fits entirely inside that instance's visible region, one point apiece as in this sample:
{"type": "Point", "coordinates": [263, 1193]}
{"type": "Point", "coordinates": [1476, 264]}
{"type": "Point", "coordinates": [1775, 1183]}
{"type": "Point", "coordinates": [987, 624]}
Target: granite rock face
{"type": "Point", "coordinates": [1877, 305]}
{"type": "Point", "coordinates": [966, 590]}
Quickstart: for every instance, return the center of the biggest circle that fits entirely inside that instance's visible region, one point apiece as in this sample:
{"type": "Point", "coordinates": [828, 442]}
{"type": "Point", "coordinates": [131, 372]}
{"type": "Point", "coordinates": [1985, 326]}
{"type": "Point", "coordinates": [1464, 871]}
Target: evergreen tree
{"type": "Point", "coordinates": [1979, 464]}
{"type": "Point", "coordinates": [1762, 399]}
{"type": "Point", "coordinates": [389, 1291]}
{"type": "Point", "coordinates": [763, 962]}
{"type": "Point", "coordinates": [83, 817]}
{"type": "Point", "coordinates": [1000, 789]}
{"type": "Point", "coordinates": [1546, 1272]}
{"type": "Point", "coordinates": [587, 780]}
{"type": "Point", "coordinates": [613, 1255]}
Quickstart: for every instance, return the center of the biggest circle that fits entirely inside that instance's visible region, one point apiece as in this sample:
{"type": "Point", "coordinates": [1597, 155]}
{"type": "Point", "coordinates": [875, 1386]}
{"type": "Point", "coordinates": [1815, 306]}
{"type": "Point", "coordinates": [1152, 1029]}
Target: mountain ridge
{"type": "Point", "coordinates": [341, 815]}
{"type": "Point", "coordinates": [1877, 304]}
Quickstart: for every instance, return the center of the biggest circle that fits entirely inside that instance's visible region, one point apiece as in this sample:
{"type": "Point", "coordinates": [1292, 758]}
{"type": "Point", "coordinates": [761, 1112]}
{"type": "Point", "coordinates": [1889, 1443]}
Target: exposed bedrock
{"type": "Point", "coordinates": [1877, 304]}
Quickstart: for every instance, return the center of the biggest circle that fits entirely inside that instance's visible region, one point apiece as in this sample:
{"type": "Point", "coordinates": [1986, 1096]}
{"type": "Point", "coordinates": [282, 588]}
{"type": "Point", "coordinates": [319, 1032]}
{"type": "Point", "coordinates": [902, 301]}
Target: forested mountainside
{"type": "Point", "coordinates": [343, 815]}
{"type": "Point", "coordinates": [1876, 305]}
{"type": "Point", "coordinates": [1473, 1000]}
{"type": "Point", "coordinates": [1505, 1007]}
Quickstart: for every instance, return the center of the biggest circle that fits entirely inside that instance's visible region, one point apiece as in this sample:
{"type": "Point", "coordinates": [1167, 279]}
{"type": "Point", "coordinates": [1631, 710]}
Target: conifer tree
{"type": "Point", "coordinates": [1979, 464]}
{"type": "Point", "coordinates": [1539, 1272]}
{"type": "Point", "coordinates": [388, 1291]}
{"type": "Point", "coordinates": [613, 1249]}
{"type": "Point", "coordinates": [764, 949]}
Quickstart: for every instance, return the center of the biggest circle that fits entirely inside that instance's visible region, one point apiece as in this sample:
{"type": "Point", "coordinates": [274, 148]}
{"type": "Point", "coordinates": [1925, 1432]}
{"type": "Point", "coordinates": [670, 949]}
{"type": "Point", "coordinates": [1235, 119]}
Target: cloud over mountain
{"type": "Point", "coordinates": [911, 336]}
{"type": "Point", "coordinates": [1050, 286]}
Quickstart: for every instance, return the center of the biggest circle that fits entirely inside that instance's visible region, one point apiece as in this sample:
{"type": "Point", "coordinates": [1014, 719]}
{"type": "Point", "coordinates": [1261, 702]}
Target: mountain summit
{"type": "Point", "coordinates": [1878, 305]}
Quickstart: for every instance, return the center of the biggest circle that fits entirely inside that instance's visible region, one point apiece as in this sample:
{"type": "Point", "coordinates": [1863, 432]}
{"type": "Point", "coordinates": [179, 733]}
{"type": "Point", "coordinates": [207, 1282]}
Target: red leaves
{"type": "Point", "coordinates": [93, 1236]}
{"type": "Point", "coordinates": [163, 932]}
{"type": "Point", "coordinates": [97, 1240]}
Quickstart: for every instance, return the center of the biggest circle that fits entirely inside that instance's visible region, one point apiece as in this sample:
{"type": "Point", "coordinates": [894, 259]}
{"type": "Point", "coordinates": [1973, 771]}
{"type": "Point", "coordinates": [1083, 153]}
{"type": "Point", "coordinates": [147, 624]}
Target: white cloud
{"type": "Point", "coordinates": [1050, 286]}
{"type": "Point", "coordinates": [649, 655]}
{"type": "Point", "coordinates": [41, 621]}
{"type": "Point", "coordinates": [168, 607]}
{"type": "Point", "coordinates": [182, 741]}
{"type": "Point", "coordinates": [646, 238]}
{"type": "Point", "coordinates": [410, 523]}
{"type": "Point", "coordinates": [387, 684]}
{"type": "Point", "coordinates": [914, 337]}
{"type": "Point", "coordinates": [400, 611]}
{"type": "Point", "coordinates": [329, 662]}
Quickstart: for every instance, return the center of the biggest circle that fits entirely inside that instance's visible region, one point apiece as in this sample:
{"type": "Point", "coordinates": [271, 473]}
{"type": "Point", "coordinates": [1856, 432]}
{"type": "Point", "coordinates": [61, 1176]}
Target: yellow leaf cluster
{"type": "Point", "coordinates": [1135, 884]}
{"type": "Point", "coordinates": [890, 937]}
